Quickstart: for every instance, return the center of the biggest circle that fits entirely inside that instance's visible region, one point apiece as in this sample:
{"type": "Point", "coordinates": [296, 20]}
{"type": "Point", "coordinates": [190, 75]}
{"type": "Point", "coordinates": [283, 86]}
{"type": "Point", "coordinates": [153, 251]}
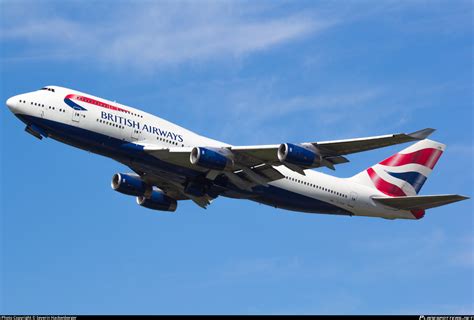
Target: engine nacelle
{"type": "Point", "coordinates": [158, 201]}
{"type": "Point", "coordinates": [130, 184]}
{"type": "Point", "coordinates": [217, 159]}
{"type": "Point", "coordinates": [299, 155]}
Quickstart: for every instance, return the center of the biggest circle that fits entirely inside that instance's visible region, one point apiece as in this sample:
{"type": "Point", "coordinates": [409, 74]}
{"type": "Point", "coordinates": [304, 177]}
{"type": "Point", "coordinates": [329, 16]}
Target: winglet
{"type": "Point", "coordinates": [422, 134]}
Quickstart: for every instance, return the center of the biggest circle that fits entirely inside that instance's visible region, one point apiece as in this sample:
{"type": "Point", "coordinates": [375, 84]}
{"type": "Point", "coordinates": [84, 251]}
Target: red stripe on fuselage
{"type": "Point", "coordinates": [384, 186]}
{"type": "Point", "coordinates": [95, 102]}
{"type": "Point", "coordinates": [426, 157]}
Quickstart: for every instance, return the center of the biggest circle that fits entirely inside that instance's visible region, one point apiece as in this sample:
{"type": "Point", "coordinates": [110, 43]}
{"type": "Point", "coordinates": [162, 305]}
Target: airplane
{"type": "Point", "coordinates": [171, 163]}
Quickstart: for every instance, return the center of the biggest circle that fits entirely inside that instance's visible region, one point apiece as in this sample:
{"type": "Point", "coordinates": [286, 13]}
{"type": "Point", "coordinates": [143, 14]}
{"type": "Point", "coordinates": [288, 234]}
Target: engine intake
{"type": "Point", "coordinates": [298, 155]}
{"type": "Point", "coordinates": [130, 184]}
{"type": "Point", "coordinates": [211, 158]}
{"type": "Point", "coordinates": [158, 201]}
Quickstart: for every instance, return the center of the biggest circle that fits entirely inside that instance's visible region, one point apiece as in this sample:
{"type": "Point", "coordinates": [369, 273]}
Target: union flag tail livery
{"type": "Point", "coordinates": [399, 178]}
{"type": "Point", "coordinates": [171, 163]}
{"type": "Point", "coordinates": [404, 173]}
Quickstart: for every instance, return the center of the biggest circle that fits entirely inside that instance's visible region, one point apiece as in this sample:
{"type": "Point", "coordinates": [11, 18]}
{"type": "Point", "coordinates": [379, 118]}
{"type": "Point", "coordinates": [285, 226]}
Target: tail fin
{"type": "Point", "coordinates": [404, 173]}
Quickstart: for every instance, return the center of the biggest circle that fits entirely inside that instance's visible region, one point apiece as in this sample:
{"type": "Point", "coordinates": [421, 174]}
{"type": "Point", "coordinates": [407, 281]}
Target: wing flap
{"type": "Point", "coordinates": [261, 175]}
{"type": "Point", "coordinates": [419, 202]}
{"type": "Point", "coordinates": [255, 155]}
{"type": "Point", "coordinates": [269, 172]}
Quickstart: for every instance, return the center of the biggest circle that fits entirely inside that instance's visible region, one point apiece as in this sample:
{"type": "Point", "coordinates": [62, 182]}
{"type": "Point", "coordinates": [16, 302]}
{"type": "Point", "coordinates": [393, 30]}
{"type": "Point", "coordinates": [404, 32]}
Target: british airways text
{"type": "Point", "coordinates": [136, 124]}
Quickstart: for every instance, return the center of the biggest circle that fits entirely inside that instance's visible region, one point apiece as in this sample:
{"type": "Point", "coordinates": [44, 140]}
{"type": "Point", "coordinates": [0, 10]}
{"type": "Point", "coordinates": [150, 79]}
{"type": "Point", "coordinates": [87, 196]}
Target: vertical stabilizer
{"type": "Point", "coordinates": [404, 173]}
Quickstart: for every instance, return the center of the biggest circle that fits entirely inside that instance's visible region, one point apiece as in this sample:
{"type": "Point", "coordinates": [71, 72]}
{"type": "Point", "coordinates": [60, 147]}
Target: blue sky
{"type": "Point", "coordinates": [245, 73]}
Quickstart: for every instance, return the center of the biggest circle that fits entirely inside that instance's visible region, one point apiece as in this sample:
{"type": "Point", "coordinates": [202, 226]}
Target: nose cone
{"type": "Point", "coordinates": [11, 104]}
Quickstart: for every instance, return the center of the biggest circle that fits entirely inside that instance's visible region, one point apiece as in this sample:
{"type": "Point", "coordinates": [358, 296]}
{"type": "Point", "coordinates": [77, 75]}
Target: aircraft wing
{"type": "Point", "coordinates": [175, 155]}
{"type": "Point", "coordinates": [173, 189]}
{"type": "Point", "coordinates": [253, 165]}
{"type": "Point", "coordinates": [247, 173]}
{"type": "Point", "coordinates": [331, 151]}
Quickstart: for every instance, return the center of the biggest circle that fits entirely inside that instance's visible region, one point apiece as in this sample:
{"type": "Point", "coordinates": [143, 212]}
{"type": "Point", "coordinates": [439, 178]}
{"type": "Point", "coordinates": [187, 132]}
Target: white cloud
{"type": "Point", "coordinates": [154, 34]}
{"type": "Point", "coordinates": [149, 35]}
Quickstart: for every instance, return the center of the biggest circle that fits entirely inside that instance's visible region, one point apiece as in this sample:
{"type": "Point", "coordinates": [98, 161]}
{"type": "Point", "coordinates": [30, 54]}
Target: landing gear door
{"type": "Point", "coordinates": [75, 115]}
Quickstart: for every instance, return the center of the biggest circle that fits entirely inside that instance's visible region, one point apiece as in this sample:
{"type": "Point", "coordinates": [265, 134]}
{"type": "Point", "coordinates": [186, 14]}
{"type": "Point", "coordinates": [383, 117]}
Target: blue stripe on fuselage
{"type": "Point", "coordinates": [117, 149]}
{"type": "Point", "coordinates": [285, 199]}
{"type": "Point", "coordinates": [127, 152]}
{"type": "Point", "coordinates": [74, 105]}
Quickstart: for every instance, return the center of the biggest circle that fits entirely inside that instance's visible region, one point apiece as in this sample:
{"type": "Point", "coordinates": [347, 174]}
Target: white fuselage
{"type": "Point", "coordinates": [128, 124]}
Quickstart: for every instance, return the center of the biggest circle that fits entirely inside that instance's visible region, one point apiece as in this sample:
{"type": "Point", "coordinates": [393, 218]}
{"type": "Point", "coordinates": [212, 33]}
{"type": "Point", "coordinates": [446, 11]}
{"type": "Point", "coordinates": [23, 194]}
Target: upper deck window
{"type": "Point", "coordinates": [49, 89]}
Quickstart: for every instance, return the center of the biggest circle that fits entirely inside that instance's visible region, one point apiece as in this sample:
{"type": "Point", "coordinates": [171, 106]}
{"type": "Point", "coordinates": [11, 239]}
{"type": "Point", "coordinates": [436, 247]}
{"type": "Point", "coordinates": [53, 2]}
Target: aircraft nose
{"type": "Point", "coordinates": [11, 103]}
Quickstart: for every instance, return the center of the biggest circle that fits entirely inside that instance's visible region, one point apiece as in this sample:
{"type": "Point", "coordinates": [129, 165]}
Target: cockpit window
{"type": "Point", "coordinates": [49, 89]}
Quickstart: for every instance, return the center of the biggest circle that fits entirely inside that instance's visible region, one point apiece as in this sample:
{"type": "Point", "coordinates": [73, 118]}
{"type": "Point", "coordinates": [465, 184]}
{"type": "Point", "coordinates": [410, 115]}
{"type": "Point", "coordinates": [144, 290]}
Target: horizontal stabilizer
{"type": "Point", "coordinates": [419, 202]}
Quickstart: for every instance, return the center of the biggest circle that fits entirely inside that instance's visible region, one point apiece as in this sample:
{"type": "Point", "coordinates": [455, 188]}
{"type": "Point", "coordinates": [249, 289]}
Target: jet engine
{"type": "Point", "coordinates": [303, 156]}
{"type": "Point", "coordinates": [217, 159]}
{"type": "Point", "coordinates": [130, 184]}
{"type": "Point", "coordinates": [158, 201]}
